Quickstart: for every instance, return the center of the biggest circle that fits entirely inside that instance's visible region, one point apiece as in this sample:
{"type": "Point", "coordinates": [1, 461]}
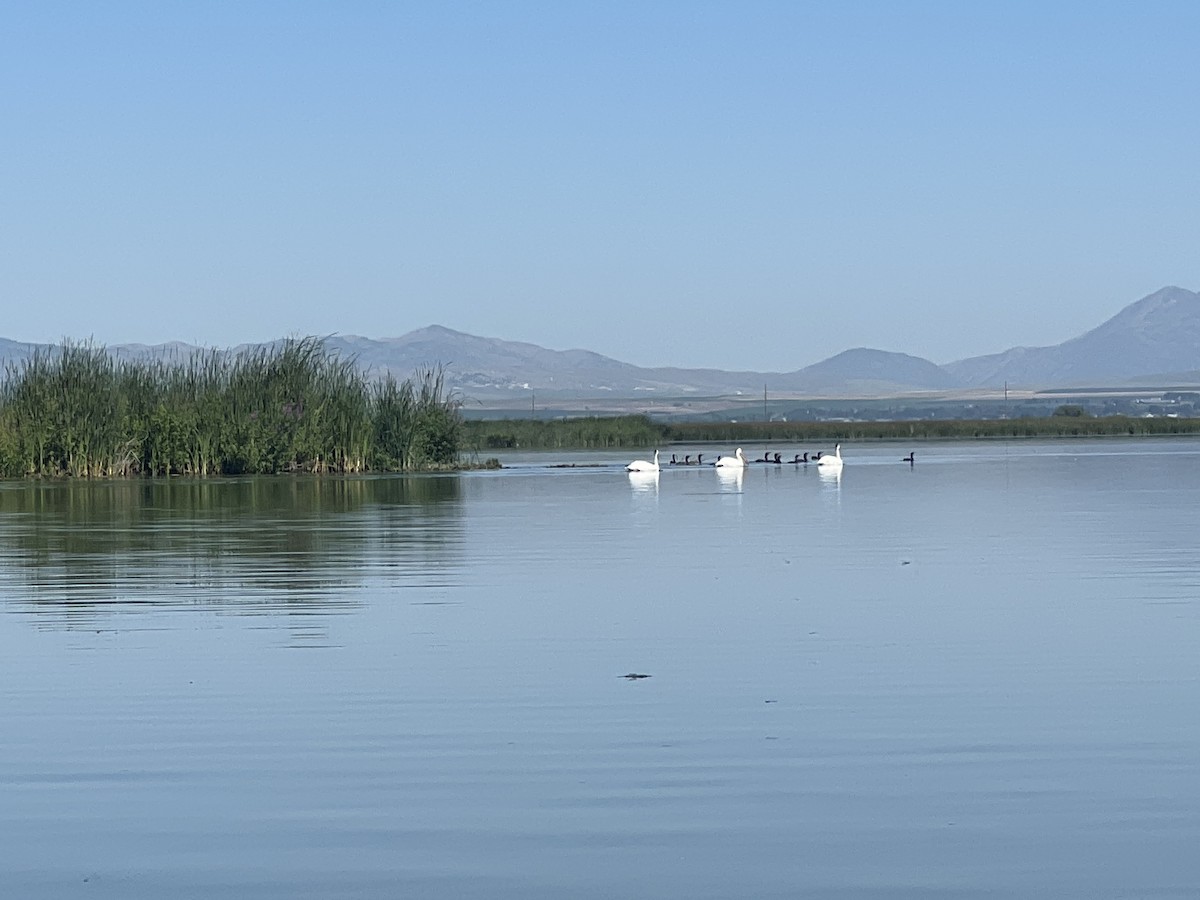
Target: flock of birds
{"type": "Point", "coordinates": [825, 462]}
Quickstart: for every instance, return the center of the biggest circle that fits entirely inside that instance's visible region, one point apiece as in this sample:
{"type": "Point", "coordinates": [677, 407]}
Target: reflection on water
{"type": "Point", "coordinates": [831, 476]}
{"type": "Point", "coordinates": [644, 482]}
{"type": "Point", "coordinates": [730, 478]}
{"type": "Point", "coordinates": [72, 551]}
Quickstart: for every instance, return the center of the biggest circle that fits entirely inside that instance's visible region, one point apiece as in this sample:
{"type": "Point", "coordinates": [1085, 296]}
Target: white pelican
{"type": "Point", "coordinates": [736, 460]}
{"type": "Point", "coordinates": [640, 465]}
{"type": "Point", "coordinates": [831, 463]}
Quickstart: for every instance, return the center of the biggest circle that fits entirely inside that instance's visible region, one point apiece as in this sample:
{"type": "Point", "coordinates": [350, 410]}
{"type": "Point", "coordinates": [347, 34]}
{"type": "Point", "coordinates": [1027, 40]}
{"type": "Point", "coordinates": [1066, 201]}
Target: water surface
{"type": "Point", "coordinates": [974, 676]}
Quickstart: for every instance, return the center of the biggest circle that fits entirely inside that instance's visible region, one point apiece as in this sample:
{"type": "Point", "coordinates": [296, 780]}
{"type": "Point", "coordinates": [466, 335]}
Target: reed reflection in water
{"type": "Point", "coordinates": [72, 553]}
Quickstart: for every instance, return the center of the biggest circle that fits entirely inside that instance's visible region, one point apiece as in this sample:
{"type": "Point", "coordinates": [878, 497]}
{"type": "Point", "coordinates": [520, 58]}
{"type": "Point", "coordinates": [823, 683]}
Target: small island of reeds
{"type": "Point", "coordinates": [74, 410]}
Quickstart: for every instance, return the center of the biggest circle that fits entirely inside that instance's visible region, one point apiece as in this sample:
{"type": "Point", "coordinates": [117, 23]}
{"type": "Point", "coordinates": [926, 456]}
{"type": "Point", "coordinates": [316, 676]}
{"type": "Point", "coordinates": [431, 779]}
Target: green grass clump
{"type": "Point", "coordinates": [76, 411]}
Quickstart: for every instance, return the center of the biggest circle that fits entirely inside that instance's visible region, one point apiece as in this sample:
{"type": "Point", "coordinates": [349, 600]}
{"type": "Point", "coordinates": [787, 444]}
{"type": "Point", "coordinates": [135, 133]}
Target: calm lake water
{"type": "Point", "coordinates": [975, 676]}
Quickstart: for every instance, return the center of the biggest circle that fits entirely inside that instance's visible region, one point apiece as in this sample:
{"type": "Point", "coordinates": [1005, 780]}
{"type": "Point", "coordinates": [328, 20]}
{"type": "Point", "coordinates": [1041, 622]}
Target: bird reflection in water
{"type": "Point", "coordinates": [831, 477]}
{"type": "Point", "coordinates": [730, 478]}
{"type": "Point", "coordinates": [644, 482]}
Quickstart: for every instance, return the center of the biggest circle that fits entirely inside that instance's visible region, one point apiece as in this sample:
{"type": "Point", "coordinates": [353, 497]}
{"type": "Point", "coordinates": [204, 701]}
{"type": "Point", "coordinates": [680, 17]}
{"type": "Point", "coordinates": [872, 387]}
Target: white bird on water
{"type": "Point", "coordinates": [736, 460]}
{"type": "Point", "coordinates": [640, 465]}
{"type": "Point", "coordinates": [831, 463]}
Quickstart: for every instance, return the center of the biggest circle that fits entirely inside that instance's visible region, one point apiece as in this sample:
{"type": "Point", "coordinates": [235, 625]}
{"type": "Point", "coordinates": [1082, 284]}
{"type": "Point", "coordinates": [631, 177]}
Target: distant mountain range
{"type": "Point", "coordinates": [1158, 337]}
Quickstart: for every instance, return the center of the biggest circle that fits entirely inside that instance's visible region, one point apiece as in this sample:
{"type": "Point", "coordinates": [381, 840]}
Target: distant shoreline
{"type": "Point", "coordinates": [597, 433]}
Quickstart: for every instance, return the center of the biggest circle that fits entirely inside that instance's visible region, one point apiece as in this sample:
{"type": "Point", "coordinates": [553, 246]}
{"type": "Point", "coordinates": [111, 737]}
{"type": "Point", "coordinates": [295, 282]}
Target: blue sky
{"type": "Point", "coordinates": [737, 185]}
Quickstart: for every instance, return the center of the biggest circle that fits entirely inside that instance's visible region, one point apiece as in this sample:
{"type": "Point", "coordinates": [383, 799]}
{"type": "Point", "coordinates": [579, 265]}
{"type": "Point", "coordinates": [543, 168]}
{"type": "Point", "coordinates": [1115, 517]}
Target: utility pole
{"type": "Point", "coordinates": [765, 417]}
{"type": "Point", "coordinates": [532, 408]}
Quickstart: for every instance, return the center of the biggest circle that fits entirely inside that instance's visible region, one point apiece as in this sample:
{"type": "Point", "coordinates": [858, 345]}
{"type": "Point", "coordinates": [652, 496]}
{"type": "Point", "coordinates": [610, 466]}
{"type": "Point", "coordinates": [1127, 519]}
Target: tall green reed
{"type": "Point", "coordinates": [76, 411]}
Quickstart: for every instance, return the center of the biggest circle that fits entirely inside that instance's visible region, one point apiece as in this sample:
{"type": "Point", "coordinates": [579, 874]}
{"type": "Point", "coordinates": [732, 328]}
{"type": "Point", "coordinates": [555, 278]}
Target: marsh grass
{"type": "Point", "coordinates": [640, 431]}
{"type": "Point", "coordinates": [76, 411]}
{"type": "Point", "coordinates": [588, 432]}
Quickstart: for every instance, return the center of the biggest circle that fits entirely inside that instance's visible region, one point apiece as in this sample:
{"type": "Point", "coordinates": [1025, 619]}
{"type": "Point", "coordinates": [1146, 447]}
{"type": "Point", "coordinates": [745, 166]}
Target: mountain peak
{"type": "Point", "coordinates": [1163, 311]}
{"type": "Point", "coordinates": [1157, 334]}
{"type": "Point", "coordinates": [435, 331]}
{"type": "Point", "coordinates": [882, 369]}
{"type": "Point", "coordinates": [1169, 301]}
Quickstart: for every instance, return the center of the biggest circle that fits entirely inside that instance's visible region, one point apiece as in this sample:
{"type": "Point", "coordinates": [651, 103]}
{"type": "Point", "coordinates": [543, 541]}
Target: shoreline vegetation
{"type": "Point", "coordinates": [638, 431]}
{"type": "Point", "coordinates": [76, 411]}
